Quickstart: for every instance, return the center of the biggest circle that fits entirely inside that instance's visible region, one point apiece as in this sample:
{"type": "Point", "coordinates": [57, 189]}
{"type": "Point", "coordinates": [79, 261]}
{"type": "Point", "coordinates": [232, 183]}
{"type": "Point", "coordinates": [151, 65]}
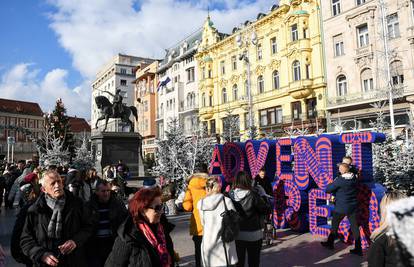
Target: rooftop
{"type": "Point", "coordinates": [20, 107]}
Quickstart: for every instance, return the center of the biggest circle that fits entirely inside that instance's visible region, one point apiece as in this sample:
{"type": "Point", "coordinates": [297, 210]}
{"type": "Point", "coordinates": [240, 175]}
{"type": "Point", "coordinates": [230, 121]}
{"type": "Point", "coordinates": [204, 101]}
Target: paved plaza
{"type": "Point", "coordinates": [290, 249]}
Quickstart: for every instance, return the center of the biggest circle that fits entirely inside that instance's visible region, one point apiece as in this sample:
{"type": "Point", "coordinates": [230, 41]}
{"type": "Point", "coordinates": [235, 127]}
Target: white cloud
{"type": "Point", "coordinates": [23, 82]}
{"type": "Point", "coordinates": [94, 31]}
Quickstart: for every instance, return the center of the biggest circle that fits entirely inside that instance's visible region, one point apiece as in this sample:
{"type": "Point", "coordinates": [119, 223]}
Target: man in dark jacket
{"type": "Point", "coordinates": [345, 188]}
{"type": "Point", "coordinates": [57, 226]}
{"type": "Point", "coordinates": [108, 213]}
{"type": "Point", "coordinates": [262, 180]}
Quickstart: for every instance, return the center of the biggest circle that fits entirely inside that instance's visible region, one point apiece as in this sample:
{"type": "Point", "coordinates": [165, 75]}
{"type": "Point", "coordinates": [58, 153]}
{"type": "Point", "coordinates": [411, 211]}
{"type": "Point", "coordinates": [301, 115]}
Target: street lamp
{"type": "Point", "coordinates": [244, 42]}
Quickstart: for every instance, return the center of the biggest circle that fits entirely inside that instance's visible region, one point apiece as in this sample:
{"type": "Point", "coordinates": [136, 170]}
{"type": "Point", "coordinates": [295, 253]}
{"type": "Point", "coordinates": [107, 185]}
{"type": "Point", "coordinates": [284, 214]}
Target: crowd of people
{"type": "Point", "coordinates": [73, 217]}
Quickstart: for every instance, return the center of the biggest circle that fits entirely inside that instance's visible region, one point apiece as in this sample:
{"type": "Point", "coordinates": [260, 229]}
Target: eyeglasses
{"type": "Point", "coordinates": [158, 208]}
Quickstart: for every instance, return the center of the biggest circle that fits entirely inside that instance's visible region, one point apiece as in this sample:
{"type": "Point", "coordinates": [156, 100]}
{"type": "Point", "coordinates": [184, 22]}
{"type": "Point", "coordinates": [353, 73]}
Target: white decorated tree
{"type": "Point", "coordinates": [54, 153]}
{"type": "Point", "coordinates": [83, 157]}
{"type": "Point", "coordinates": [393, 160]}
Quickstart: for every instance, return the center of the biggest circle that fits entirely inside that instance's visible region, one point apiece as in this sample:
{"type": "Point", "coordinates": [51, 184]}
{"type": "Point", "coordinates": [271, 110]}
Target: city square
{"type": "Point", "coordinates": [207, 133]}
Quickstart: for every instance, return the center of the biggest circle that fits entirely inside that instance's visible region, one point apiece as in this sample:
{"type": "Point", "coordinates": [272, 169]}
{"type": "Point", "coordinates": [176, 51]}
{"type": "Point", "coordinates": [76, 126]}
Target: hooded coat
{"type": "Point", "coordinates": [212, 250]}
{"type": "Point", "coordinates": [252, 209]}
{"type": "Point", "coordinates": [196, 190]}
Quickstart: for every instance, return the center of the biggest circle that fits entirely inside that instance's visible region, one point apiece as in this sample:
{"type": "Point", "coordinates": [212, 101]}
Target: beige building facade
{"type": "Point", "coordinates": [356, 69]}
{"type": "Point", "coordinates": [146, 104]}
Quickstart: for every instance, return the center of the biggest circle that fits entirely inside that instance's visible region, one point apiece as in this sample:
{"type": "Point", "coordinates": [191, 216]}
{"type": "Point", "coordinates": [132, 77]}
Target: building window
{"type": "Point", "coordinates": [235, 93]}
{"type": "Point", "coordinates": [367, 80]}
{"type": "Point", "coordinates": [271, 116]}
{"type": "Point", "coordinates": [123, 71]}
{"type": "Point", "coordinates": [210, 100]}
{"type": "Point", "coordinates": [311, 108]}
{"type": "Point", "coordinates": [341, 85]}
{"type": "Point", "coordinates": [276, 82]}
{"type": "Point", "coordinates": [234, 63]}
{"type": "Point", "coordinates": [203, 99]}
{"type": "Point", "coordinates": [393, 26]}
{"type": "Point", "coordinates": [279, 115]}
{"type": "Point", "coordinates": [296, 70]}
{"type": "Point", "coordinates": [224, 95]}
{"type": "Point", "coordinates": [360, 2]}
{"type": "Point", "coordinates": [294, 32]}
{"type": "Point", "coordinates": [209, 74]}
{"type": "Point", "coordinates": [203, 73]}
{"type": "Point", "coordinates": [123, 82]}
{"type": "Point", "coordinates": [397, 73]}
{"type": "Point", "coordinates": [259, 52]}
{"type": "Point", "coordinates": [363, 37]}
{"type": "Point", "coordinates": [222, 68]}
{"type": "Point", "coordinates": [273, 45]}
{"type": "Point", "coordinates": [260, 84]}
{"type": "Point", "coordinates": [296, 110]}
{"type": "Point", "coordinates": [307, 70]}
{"type": "Point", "coordinates": [336, 7]}
{"type": "Point", "coordinates": [190, 75]}
{"type": "Point", "coordinates": [338, 45]}
{"type": "Point", "coordinates": [213, 126]}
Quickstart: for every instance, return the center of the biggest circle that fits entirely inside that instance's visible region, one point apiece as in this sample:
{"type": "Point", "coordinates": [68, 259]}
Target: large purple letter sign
{"type": "Point", "coordinates": [302, 169]}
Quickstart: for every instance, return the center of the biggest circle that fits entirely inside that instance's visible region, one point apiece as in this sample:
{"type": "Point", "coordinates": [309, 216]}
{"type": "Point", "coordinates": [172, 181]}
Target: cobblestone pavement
{"type": "Point", "coordinates": [288, 250]}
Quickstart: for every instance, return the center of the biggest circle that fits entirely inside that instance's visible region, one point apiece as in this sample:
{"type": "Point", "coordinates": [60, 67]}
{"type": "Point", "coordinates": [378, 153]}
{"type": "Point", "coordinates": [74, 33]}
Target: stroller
{"type": "Point", "coordinates": [269, 232]}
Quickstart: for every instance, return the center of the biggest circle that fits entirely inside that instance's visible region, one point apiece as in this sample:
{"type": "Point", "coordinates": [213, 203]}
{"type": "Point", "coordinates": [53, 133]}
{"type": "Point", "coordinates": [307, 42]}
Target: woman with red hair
{"type": "Point", "coordinates": [144, 238]}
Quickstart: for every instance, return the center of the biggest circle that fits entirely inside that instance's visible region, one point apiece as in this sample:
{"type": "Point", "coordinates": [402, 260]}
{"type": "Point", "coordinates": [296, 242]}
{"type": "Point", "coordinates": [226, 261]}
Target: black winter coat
{"type": "Point", "coordinates": [382, 252]}
{"type": "Point", "coordinates": [252, 208]}
{"type": "Point", "coordinates": [77, 226]}
{"type": "Point", "coordinates": [117, 213]}
{"type": "Point", "coordinates": [132, 249]}
{"type": "Point", "coordinates": [345, 189]}
{"type": "Point", "coordinates": [15, 247]}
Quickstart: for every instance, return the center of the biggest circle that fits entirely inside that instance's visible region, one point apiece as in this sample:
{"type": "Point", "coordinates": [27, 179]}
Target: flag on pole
{"type": "Point", "coordinates": [163, 83]}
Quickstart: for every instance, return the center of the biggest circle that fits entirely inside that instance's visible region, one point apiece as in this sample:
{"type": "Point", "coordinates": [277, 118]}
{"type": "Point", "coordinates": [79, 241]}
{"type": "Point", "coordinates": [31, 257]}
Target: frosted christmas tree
{"type": "Point", "coordinates": [54, 154]}
{"type": "Point", "coordinates": [83, 157]}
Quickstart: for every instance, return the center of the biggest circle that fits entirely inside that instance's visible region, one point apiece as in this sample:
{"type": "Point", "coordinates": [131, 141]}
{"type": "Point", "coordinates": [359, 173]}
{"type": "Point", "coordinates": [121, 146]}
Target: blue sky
{"type": "Point", "coordinates": [53, 48]}
{"type": "Point", "coordinates": [28, 38]}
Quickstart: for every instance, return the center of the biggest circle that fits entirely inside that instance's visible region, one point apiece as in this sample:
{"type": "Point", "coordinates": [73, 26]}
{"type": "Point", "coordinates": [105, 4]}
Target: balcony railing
{"type": "Point", "coordinates": [369, 96]}
{"type": "Point", "coordinates": [186, 108]}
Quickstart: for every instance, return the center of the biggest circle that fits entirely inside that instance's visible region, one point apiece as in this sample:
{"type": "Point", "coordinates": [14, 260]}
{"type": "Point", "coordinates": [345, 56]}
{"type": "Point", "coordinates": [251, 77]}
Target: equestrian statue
{"type": "Point", "coordinates": [115, 110]}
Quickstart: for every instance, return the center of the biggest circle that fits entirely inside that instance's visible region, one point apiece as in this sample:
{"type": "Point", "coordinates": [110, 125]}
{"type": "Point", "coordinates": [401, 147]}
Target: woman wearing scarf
{"type": "Point", "coordinates": [144, 238]}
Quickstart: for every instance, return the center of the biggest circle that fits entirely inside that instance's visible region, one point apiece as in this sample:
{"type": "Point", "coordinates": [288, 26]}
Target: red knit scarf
{"type": "Point", "coordinates": [158, 242]}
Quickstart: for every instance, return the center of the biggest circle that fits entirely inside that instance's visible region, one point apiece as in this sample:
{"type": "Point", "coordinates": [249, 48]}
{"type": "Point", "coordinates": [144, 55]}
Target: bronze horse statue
{"type": "Point", "coordinates": [108, 113]}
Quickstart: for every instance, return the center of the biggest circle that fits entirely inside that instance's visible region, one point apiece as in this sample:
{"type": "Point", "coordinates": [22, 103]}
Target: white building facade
{"type": "Point", "coordinates": [356, 66]}
{"type": "Point", "coordinates": [179, 97]}
{"type": "Point", "coordinates": [116, 74]}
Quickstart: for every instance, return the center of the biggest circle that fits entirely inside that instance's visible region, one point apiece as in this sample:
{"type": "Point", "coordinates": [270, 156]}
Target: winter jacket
{"type": "Point", "coordinates": [196, 190]}
{"type": "Point", "coordinates": [14, 191]}
{"type": "Point", "coordinates": [117, 213]}
{"type": "Point", "coordinates": [15, 248]}
{"type": "Point", "coordinates": [77, 226]}
{"type": "Point", "coordinates": [265, 183]}
{"type": "Point", "coordinates": [345, 189]}
{"type": "Point", "coordinates": [382, 252]}
{"type": "Point", "coordinates": [131, 248]}
{"type": "Point", "coordinates": [252, 209]}
{"type": "Point", "coordinates": [212, 250]}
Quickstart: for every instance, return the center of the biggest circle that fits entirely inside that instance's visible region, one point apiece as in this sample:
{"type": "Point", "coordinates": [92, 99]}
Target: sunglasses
{"type": "Point", "coordinates": [158, 208]}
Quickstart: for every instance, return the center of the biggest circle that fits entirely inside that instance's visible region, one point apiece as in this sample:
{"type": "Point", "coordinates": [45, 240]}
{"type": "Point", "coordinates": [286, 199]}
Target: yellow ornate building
{"type": "Point", "coordinates": [283, 53]}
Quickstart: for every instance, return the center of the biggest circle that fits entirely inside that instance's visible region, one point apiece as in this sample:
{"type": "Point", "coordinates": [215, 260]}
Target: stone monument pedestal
{"type": "Point", "coordinates": [110, 147]}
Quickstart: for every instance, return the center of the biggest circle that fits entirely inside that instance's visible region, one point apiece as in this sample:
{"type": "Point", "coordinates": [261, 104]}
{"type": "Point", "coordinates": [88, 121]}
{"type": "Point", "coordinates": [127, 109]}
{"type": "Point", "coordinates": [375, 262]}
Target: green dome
{"type": "Point", "coordinates": [207, 59]}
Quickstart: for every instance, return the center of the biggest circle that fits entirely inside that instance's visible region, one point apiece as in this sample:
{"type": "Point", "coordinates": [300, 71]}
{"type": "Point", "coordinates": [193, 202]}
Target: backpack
{"type": "Point", "coordinates": [229, 225]}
